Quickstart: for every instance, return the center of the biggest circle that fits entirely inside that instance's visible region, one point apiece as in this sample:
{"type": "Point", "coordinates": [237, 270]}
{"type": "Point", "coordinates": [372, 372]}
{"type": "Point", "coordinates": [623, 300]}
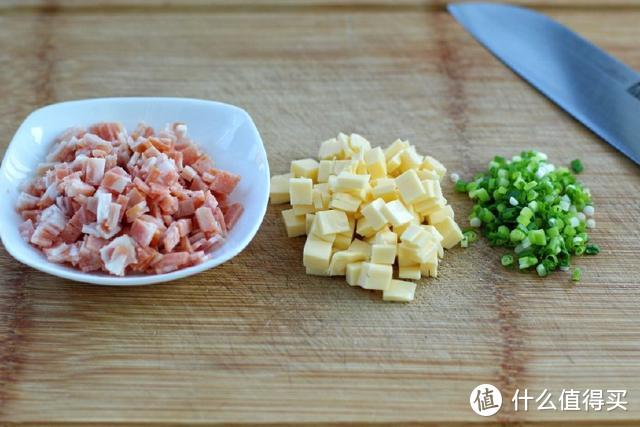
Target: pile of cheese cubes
{"type": "Point", "coordinates": [390, 198]}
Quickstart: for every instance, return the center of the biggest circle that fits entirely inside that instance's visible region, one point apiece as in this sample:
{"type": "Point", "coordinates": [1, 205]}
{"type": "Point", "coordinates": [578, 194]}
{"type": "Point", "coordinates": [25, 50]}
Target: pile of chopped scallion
{"type": "Point", "coordinates": [528, 204]}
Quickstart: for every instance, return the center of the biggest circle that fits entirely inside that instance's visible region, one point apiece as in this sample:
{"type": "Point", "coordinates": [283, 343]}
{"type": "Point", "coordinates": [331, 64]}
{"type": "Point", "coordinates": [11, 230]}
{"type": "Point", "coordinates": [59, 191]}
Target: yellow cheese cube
{"type": "Point", "coordinates": [345, 202]}
{"type": "Point", "coordinates": [294, 224]}
{"type": "Point", "coordinates": [385, 237]}
{"type": "Point", "coordinates": [450, 232]}
{"type": "Point", "coordinates": [361, 247]}
{"type": "Point", "coordinates": [301, 191]}
{"type": "Point", "coordinates": [376, 163]}
{"type": "Point", "coordinates": [384, 188]}
{"type": "Point", "coordinates": [342, 241]}
{"type": "Point", "coordinates": [410, 159]}
{"type": "Point", "coordinates": [305, 168]}
{"type": "Point", "coordinates": [316, 254]}
{"type": "Point", "coordinates": [358, 143]}
{"type": "Point", "coordinates": [319, 201]}
{"type": "Point", "coordinates": [393, 164]}
{"type": "Point", "coordinates": [375, 276]}
{"type": "Point", "coordinates": [425, 174]}
{"type": "Point", "coordinates": [279, 189]}
{"type": "Point", "coordinates": [339, 166]}
{"type": "Point", "coordinates": [340, 259]}
{"type": "Point", "coordinates": [410, 272]}
{"type": "Point", "coordinates": [316, 271]}
{"type": "Point", "coordinates": [353, 273]}
{"type": "Point", "coordinates": [440, 214]}
{"type": "Point", "coordinates": [425, 207]}
{"type": "Point", "coordinates": [435, 234]}
{"type": "Point", "coordinates": [308, 221]}
{"type": "Point", "coordinates": [303, 209]}
{"type": "Point", "coordinates": [383, 253]}
{"type": "Point", "coordinates": [410, 187]}
{"type": "Point", "coordinates": [330, 149]}
{"type": "Point", "coordinates": [430, 267]}
{"type": "Point", "coordinates": [373, 213]}
{"type": "Point", "coordinates": [396, 213]}
{"type": "Point", "coordinates": [432, 164]}
{"type": "Point", "coordinates": [325, 168]}
{"type": "Point", "coordinates": [364, 227]}
{"type": "Point", "coordinates": [315, 233]}
{"type": "Point", "coordinates": [351, 183]}
{"type": "Point", "coordinates": [332, 222]}
{"type": "Point", "coordinates": [431, 188]}
{"type": "Point", "coordinates": [395, 148]}
{"type": "Point", "coordinates": [416, 236]}
{"type": "Point", "coordinates": [399, 291]}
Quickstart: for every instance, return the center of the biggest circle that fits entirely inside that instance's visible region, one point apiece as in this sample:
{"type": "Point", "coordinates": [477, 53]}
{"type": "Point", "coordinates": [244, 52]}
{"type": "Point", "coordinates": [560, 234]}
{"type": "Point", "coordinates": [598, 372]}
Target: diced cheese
{"type": "Point", "coordinates": [359, 144]}
{"type": "Point", "coordinates": [440, 214]}
{"type": "Point", "coordinates": [316, 254]}
{"type": "Point", "coordinates": [364, 209]}
{"type": "Point", "coordinates": [410, 272]}
{"type": "Point", "coordinates": [279, 189]}
{"type": "Point", "coordinates": [375, 276]}
{"type": "Point", "coordinates": [376, 163]}
{"type": "Point", "coordinates": [330, 149]}
{"type": "Point", "coordinates": [396, 213]}
{"type": "Point", "coordinates": [303, 209]}
{"type": "Point", "coordinates": [383, 253]}
{"type": "Point", "coordinates": [351, 183]}
{"type": "Point", "coordinates": [294, 224]}
{"type": "Point", "coordinates": [300, 191]}
{"type": "Point", "coordinates": [385, 188]}
{"type": "Point", "coordinates": [305, 168]}
{"type": "Point", "coordinates": [450, 232]}
{"type": "Point", "coordinates": [410, 187]}
{"type": "Point", "coordinates": [353, 273]}
{"type": "Point", "coordinates": [399, 291]}
{"type": "Point", "coordinates": [342, 241]}
{"type": "Point", "coordinates": [340, 259]}
{"type": "Point", "coordinates": [345, 202]}
{"type": "Point", "coordinates": [332, 221]}
{"type": "Point", "coordinates": [374, 215]}
{"type": "Point", "coordinates": [325, 168]}
{"type": "Point", "coordinates": [309, 222]}
{"type": "Point", "coordinates": [430, 163]}
{"type": "Point", "coordinates": [395, 148]}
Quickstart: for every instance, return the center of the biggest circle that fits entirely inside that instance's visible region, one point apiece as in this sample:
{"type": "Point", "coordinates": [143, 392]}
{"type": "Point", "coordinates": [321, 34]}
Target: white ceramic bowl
{"type": "Point", "coordinates": [225, 132]}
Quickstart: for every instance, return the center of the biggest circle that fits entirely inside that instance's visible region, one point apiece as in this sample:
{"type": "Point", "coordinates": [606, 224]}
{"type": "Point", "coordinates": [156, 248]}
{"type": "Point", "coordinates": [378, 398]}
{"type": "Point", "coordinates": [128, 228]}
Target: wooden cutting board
{"type": "Point", "coordinates": [258, 341]}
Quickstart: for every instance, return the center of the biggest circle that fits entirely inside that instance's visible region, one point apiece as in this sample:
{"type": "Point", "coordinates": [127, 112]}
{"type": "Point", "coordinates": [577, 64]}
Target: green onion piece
{"type": "Point", "coordinates": [537, 237]}
{"type": "Point", "coordinates": [541, 270]}
{"type": "Point", "coordinates": [592, 249]}
{"type": "Point", "coordinates": [576, 166]}
{"type": "Point", "coordinates": [517, 235]}
{"type": "Point", "coordinates": [506, 260]}
{"type": "Point", "coordinates": [526, 262]}
{"type": "Point", "coordinates": [576, 275]}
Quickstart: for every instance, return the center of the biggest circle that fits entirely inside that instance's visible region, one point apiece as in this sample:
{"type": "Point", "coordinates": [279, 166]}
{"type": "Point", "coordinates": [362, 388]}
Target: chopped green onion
{"type": "Point", "coordinates": [506, 260]}
{"type": "Point", "coordinates": [539, 211]}
{"type": "Point", "coordinates": [592, 249]}
{"type": "Point", "coordinates": [576, 275]}
{"type": "Point", "coordinates": [576, 166]}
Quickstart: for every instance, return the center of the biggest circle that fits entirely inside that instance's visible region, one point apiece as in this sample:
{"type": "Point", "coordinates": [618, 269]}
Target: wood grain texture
{"type": "Point", "coordinates": [257, 341]}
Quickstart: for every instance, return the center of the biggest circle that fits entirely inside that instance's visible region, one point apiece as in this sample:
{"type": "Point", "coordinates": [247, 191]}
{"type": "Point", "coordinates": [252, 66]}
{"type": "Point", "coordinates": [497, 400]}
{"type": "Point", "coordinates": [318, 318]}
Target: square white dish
{"type": "Point", "coordinates": [225, 132]}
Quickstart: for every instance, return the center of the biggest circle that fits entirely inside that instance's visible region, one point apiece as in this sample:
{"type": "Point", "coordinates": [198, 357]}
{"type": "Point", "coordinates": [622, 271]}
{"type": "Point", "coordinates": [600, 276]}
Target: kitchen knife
{"type": "Point", "coordinates": [594, 87]}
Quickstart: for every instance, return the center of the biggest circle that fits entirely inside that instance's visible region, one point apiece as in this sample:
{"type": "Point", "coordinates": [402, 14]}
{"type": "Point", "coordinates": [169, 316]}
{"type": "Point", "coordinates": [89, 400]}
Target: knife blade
{"type": "Point", "coordinates": [591, 85]}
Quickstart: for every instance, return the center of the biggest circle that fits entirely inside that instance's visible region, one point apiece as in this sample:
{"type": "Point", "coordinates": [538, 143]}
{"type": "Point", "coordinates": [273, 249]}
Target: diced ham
{"type": "Point", "coordinates": [143, 231]}
{"type": "Point", "coordinates": [171, 237]}
{"type": "Point", "coordinates": [94, 170]}
{"type": "Point", "coordinates": [225, 182]}
{"type": "Point", "coordinates": [141, 203]}
{"type": "Point", "coordinates": [206, 220]}
{"type": "Point", "coordinates": [232, 213]}
{"type": "Point", "coordinates": [118, 254]}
